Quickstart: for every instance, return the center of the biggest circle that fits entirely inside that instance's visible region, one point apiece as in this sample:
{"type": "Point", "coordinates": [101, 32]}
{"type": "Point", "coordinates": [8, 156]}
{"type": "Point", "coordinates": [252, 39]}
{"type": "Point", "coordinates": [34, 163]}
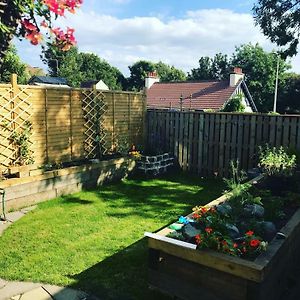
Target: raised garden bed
{"type": "Point", "coordinates": [40, 185]}
{"type": "Point", "coordinates": [179, 269]}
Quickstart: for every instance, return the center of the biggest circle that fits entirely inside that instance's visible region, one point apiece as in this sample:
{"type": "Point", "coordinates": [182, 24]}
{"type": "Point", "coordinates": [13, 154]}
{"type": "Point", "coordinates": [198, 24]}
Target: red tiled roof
{"type": "Point", "coordinates": [196, 95]}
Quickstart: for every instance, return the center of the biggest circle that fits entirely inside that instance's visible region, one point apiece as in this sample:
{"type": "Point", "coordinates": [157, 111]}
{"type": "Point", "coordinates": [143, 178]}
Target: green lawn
{"type": "Point", "coordinates": [93, 240]}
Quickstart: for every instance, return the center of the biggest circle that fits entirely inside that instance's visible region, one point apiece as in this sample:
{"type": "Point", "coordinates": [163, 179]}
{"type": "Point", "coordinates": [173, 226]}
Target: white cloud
{"type": "Point", "coordinates": [180, 42]}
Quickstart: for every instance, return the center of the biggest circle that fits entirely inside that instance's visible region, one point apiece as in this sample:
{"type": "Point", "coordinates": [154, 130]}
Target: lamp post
{"type": "Point", "coordinates": [276, 85]}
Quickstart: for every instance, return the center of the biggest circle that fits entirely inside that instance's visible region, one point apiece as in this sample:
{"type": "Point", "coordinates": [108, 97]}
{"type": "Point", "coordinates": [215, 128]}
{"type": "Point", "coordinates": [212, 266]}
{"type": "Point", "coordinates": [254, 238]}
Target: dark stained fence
{"type": "Point", "coordinates": [205, 143]}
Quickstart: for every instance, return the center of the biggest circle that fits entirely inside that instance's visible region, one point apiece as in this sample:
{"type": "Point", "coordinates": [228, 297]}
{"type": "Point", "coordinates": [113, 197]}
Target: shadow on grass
{"type": "Point", "coordinates": [123, 275]}
{"type": "Point", "coordinates": [70, 199]}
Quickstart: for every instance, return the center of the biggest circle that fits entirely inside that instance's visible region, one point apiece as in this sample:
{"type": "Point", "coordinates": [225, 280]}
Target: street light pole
{"type": "Point", "coordinates": [276, 85]}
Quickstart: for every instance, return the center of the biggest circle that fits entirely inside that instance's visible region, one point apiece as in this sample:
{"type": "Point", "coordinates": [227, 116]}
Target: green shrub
{"type": "Point", "coordinates": [276, 162]}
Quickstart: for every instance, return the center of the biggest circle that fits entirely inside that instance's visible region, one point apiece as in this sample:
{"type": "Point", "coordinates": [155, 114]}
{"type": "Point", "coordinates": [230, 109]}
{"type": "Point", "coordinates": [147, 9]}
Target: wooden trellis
{"type": "Point", "coordinates": [15, 118]}
{"type": "Point", "coordinates": [94, 108]}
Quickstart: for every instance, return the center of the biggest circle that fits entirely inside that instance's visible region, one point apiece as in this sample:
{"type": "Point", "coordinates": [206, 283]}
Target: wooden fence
{"type": "Point", "coordinates": [206, 142]}
{"type": "Point", "coordinates": [62, 122]}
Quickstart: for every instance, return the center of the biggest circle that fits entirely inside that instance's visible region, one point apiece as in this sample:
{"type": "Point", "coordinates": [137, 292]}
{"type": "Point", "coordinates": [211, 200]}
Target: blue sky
{"type": "Point", "coordinates": [176, 32]}
{"type": "Point", "coordinates": [170, 8]}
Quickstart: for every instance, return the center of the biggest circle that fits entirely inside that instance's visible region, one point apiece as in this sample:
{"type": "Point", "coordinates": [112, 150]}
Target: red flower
{"type": "Point", "coordinates": [44, 24]}
{"type": "Point", "coordinates": [249, 233]}
{"type": "Point", "coordinates": [235, 245]}
{"type": "Point", "coordinates": [35, 37]}
{"type": "Point", "coordinates": [28, 25]}
{"type": "Point", "coordinates": [224, 243]}
{"type": "Point", "coordinates": [198, 239]}
{"type": "Point", "coordinates": [203, 210]}
{"type": "Point", "coordinates": [254, 243]}
{"type": "Point", "coordinates": [196, 216]}
{"type": "Point", "coordinates": [208, 230]}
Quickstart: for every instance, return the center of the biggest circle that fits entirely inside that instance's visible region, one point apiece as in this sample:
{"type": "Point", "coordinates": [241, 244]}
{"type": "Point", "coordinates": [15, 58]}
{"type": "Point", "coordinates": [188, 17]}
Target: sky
{"type": "Point", "coordinates": [176, 32]}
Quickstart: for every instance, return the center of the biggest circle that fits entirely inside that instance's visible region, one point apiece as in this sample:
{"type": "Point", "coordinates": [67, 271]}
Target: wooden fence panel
{"type": "Point", "coordinates": [205, 143]}
{"type": "Point", "coordinates": [58, 121]}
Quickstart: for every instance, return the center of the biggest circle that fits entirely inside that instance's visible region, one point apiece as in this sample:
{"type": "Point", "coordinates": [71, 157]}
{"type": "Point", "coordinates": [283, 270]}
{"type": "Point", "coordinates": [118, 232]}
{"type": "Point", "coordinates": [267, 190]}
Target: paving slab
{"type": "Point", "coordinates": [63, 293]}
{"type": "Point", "coordinates": [3, 226]}
{"type": "Point", "coordinates": [14, 216]}
{"type": "Point", "coordinates": [28, 209]}
{"type": "Point", "coordinates": [36, 294]}
{"type": "Point", "coordinates": [3, 283]}
{"type": "Point", "coordinates": [14, 288]}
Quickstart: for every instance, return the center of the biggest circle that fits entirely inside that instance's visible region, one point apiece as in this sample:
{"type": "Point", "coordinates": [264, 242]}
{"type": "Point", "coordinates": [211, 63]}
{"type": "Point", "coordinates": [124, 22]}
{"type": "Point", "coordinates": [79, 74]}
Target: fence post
{"type": "Point", "coordinates": [15, 89]}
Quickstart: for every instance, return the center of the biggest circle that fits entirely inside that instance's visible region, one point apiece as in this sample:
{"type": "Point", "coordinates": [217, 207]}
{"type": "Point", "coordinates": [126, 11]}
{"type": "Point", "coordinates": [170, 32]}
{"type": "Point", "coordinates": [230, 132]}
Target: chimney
{"type": "Point", "coordinates": [151, 79]}
{"type": "Point", "coordinates": [236, 76]}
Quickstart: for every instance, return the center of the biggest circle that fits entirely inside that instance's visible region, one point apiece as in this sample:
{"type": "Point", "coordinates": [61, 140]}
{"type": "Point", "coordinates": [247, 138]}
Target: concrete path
{"type": "Point", "coordinates": [13, 290]}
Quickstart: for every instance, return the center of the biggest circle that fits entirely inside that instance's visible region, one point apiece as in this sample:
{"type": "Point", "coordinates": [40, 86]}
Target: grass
{"type": "Point", "coordinates": [93, 240]}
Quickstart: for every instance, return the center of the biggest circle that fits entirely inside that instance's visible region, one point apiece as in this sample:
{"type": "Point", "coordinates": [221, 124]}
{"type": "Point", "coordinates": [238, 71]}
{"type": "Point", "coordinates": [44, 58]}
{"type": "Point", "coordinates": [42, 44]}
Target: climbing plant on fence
{"type": "Point", "coordinates": [15, 114]}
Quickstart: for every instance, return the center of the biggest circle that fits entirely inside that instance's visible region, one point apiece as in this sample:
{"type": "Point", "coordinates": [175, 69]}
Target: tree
{"type": "Point", "coordinates": [289, 95]}
{"type": "Point", "coordinates": [139, 71]}
{"type": "Point", "coordinates": [12, 63]}
{"type": "Point", "coordinates": [168, 73]}
{"type": "Point", "coordinates": [24, 18]}
{"type": "Point", "coordinates": [259, 67]}
{"type": "Point", "coordinates": [77, 67]}
{"type": "Point", "coordinates": [216, 68]}
{"type": "Point", "coordinates": [280, 22]}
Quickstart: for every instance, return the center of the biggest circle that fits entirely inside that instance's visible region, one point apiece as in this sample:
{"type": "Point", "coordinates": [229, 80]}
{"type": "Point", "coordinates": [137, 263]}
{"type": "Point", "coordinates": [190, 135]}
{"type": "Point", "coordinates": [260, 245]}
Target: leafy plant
{"type": "Point", "coordinates": [236, 183]}
{"type": "Point", "coordinates": [276, 162]}
{"type": "Point", "coordinates": [234, 104]}
{"type": "Point", "coordinates": [22, 141]}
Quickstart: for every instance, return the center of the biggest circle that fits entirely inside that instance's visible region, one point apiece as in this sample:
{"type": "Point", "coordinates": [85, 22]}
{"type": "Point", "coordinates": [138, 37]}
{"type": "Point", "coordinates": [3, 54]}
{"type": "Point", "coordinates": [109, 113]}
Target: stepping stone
{"type": "Point", "coordinates": [14, 216]}
{"type": "Point", "coordinates": [14, 288]}
{"type": "Point", "coordinates": [36, 294]}
{"type": "Point", "coordinates": [63, 293]}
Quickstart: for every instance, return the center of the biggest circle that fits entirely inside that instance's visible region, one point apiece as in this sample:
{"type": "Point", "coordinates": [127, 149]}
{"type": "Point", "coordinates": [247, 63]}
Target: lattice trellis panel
{"type": "Point", "coordinates": [94, 108]}
{"type": "Point", "coordinates": [15, 116]}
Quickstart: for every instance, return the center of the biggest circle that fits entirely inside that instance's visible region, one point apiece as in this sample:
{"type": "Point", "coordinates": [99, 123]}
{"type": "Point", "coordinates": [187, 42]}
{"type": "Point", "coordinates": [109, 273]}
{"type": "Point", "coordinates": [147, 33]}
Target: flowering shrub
{"type": "Point", "coordinates": [26, 24]}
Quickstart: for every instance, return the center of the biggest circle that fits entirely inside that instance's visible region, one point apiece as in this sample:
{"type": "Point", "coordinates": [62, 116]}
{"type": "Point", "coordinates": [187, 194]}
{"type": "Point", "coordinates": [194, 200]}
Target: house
{"type": "Point", "coordinates": [99, 85]}
{"type": "Point", "coordinates": [198, 95]}
{"type": "Point", "coordinates": [48, 81]}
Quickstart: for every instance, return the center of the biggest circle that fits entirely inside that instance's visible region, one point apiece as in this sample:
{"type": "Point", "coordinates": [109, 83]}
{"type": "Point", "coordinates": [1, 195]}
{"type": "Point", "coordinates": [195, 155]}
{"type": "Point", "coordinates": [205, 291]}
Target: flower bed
{"type": "Point", "coordinates": [209, 256]}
